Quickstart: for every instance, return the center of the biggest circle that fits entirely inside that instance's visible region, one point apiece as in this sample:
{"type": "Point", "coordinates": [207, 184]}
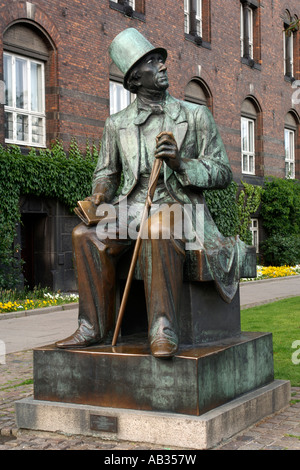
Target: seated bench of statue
{"type": "Point", "coordinates": [203, 315]}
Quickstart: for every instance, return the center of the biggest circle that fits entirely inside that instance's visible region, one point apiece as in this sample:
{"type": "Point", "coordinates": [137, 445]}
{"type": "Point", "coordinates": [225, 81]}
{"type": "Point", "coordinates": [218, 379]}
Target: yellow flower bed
{"type": "Point", "coordinates": [48, 300]}
{"type": "Point", "coordinates": [269, 272]}
{"type": "Point", "coordinates": [25, 305]}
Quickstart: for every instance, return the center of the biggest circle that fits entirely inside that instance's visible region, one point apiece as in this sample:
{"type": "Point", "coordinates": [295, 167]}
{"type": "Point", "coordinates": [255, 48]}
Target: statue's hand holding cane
{"type": "Point", "coordinates": [166, 149]}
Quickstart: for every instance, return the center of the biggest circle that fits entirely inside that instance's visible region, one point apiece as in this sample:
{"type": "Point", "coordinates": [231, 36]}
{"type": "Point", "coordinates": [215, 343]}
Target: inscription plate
{"type": "Point", "coordinates": [103, 423]}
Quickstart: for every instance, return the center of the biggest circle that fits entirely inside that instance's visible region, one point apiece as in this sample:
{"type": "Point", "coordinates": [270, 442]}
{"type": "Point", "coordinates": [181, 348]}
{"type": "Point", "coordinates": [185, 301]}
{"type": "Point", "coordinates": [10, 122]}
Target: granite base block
{"type": "Point", "coordinates": [168, 429]}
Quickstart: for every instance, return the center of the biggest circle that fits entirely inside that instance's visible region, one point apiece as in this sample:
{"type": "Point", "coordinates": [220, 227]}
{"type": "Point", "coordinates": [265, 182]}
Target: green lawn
{"type": "Point", "coordinates": [282, 319]}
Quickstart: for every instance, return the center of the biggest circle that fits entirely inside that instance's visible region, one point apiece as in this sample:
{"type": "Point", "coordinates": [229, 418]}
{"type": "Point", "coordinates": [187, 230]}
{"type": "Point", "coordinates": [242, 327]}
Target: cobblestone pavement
{"type": "Point", "coordinates": [278, 432]}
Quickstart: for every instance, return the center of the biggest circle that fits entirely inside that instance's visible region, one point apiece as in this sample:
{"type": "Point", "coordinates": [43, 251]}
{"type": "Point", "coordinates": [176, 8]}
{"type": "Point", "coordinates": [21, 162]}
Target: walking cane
{"type": "Point", "coordinates": [151, 189]}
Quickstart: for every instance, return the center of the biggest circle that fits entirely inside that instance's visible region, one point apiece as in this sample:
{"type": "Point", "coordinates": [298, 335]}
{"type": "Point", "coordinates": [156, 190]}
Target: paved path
{"type": "Point", "coordinates": [20, 335]}
{"type": "Point", "coordinates": [27, 332]}
{"type": "Point", "coordinates": [254, 293]}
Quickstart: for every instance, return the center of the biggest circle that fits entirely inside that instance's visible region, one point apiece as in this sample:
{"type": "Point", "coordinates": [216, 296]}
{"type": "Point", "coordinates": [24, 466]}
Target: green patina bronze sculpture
{"type": "Point", "coordinates": [184, 137]}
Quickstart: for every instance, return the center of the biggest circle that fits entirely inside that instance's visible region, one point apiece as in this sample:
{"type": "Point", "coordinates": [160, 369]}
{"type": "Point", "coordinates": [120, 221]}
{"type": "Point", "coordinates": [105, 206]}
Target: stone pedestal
{"type": "Point", "coordinates": [128, 376]}
{"type": "Point", "coordinates": [196, 399]}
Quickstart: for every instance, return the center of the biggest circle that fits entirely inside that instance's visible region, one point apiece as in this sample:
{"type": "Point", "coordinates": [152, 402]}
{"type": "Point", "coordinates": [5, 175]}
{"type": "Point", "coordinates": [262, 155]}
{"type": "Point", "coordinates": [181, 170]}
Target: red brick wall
{"type": "Point", "coordinates": [78, 84]}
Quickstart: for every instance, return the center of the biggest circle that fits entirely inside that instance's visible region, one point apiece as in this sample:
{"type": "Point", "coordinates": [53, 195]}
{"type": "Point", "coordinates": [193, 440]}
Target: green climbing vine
{"type": "Point", "coordinates": [46, 172]}
{"type": "Point", "coordinates": [223, 208]}
{"type": "Point", "coordinates": [248, 202]}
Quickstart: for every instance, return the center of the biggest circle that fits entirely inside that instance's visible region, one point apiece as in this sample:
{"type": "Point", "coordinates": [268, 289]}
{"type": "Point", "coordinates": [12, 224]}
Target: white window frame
{"type": "Point", "coordinates": [27, 112]}
{"type": "Point", "coordinates": [119, 97]}
{"type": "Point", "coordinates": [289, 147]}
{"type": "Point", "coordinates": [248, 150]}
{"type": "Point", "coordinates": [288, 41]}
{"type": "Point", "coordinates": [250, 16]}
{"type": "Point", "coordinates": [242, 29]}
{"type": "Point", "coordinates": [199, 17]}
{"type": "Point", "coordinates": [130, 2]}
{"type": "Point", "coordinates": [186, 16]}
{"type": "Point", "coordinates": [251, 33]}
{"type": "Point", "coordinates": [254, 229]}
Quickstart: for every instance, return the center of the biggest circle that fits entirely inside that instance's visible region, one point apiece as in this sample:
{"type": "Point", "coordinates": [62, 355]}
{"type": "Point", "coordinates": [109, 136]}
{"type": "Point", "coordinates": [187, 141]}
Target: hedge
{"type": "Point", "coordinates": [280, 214]}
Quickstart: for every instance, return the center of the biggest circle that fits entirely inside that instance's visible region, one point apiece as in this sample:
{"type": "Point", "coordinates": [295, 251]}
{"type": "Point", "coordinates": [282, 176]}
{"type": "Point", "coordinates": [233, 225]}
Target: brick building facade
{"type": "Point", "coordinates": [231, 55]}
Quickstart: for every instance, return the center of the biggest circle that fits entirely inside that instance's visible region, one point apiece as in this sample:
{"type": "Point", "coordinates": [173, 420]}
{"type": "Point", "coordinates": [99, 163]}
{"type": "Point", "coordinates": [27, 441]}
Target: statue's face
{"type": "Point", "coordinates": [152, 73]}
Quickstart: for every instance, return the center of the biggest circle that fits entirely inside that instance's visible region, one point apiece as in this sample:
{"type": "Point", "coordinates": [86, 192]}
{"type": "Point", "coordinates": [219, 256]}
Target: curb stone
{"type": "Point", "coordinates": [262, 281]}
{"type": "Point", "coordinates": [38, 311]}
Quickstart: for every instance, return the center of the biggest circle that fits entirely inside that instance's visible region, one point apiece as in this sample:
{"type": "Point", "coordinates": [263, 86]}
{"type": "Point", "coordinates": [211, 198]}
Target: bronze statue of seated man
{"type": "Point", "coordinates": [184, 136]}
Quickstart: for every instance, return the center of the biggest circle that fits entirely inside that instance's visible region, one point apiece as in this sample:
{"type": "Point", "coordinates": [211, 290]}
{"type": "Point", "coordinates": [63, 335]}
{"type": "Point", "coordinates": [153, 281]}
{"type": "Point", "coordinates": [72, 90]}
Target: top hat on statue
{"type": "Point", "coordinates": [128, 48]}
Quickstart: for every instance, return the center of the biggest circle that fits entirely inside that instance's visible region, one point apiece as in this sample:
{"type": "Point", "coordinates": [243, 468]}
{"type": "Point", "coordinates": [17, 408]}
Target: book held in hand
{"type": "Point", "coordinates": [87, 212]}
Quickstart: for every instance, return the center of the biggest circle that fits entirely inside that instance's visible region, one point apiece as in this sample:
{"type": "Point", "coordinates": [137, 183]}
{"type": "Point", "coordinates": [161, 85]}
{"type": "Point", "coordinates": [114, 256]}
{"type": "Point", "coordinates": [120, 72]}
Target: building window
{"type": "Point", "coordinates": [197, 22]}
{"type": "Point", "coordinates": [290, 46]}
{"type": "Point", "coordinates": [289, 146]}
{"type": "Point", "coordinates": [288, 54]}
{"type": "Point", "coordinates": [24, 100]}
{"type": "Point", "coordinates": [252, 142]}
{"type": "Point", "coordinates": [246, 31]}
{"type": "Point", "coordinates": [119, 97]}
{"type": "Point", "coordinates": [131, 8]}
{"type": "Point", "coordinates": [254, 229]}
{"type": "Point", "coordinates": [250, 33]}
{"type": "Point", "coordinates": [198, 92]}
{"type": "Point", "coordinates": [193, 17]}
{"type": "Point", "coordinates": [131, 3]}
{"type": "Point", "coordinates": [248, 146]}
{"type": "Point", "coordinates": [37, 123]}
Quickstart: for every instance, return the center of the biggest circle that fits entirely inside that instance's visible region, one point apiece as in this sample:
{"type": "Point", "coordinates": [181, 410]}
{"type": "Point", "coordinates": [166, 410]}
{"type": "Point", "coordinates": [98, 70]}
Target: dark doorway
{"type": "Point", "coordinates": [34, 250]}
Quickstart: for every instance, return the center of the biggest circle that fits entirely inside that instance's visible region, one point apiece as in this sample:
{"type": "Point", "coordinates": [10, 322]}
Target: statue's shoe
{"type": "Point", "coordinates": [77, 340]}
{"type": "Point", "coordinates": [164, 346]}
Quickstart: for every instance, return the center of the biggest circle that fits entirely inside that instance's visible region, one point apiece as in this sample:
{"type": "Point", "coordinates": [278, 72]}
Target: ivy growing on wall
{"type": "Point", "coordinates": [49, 173]}
{"type": "Point", "coordinates": [223, 208]}
{"type": "Point", "coordinates": [248, 200]}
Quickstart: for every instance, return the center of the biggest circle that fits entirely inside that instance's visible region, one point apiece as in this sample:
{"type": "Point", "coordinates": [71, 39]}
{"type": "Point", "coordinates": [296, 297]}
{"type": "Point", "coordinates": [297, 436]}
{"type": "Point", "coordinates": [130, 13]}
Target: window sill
{"type": "Point", "coordinates": [127, 11]}
{"type": "Point", "coordinates": [197, 40]}
{"type": "Point", "coordinates": [256, 179]}
{"type": "Point", "coordinates": [24, 144]}
{"type": "Point", "coordinates": [251, 63]}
